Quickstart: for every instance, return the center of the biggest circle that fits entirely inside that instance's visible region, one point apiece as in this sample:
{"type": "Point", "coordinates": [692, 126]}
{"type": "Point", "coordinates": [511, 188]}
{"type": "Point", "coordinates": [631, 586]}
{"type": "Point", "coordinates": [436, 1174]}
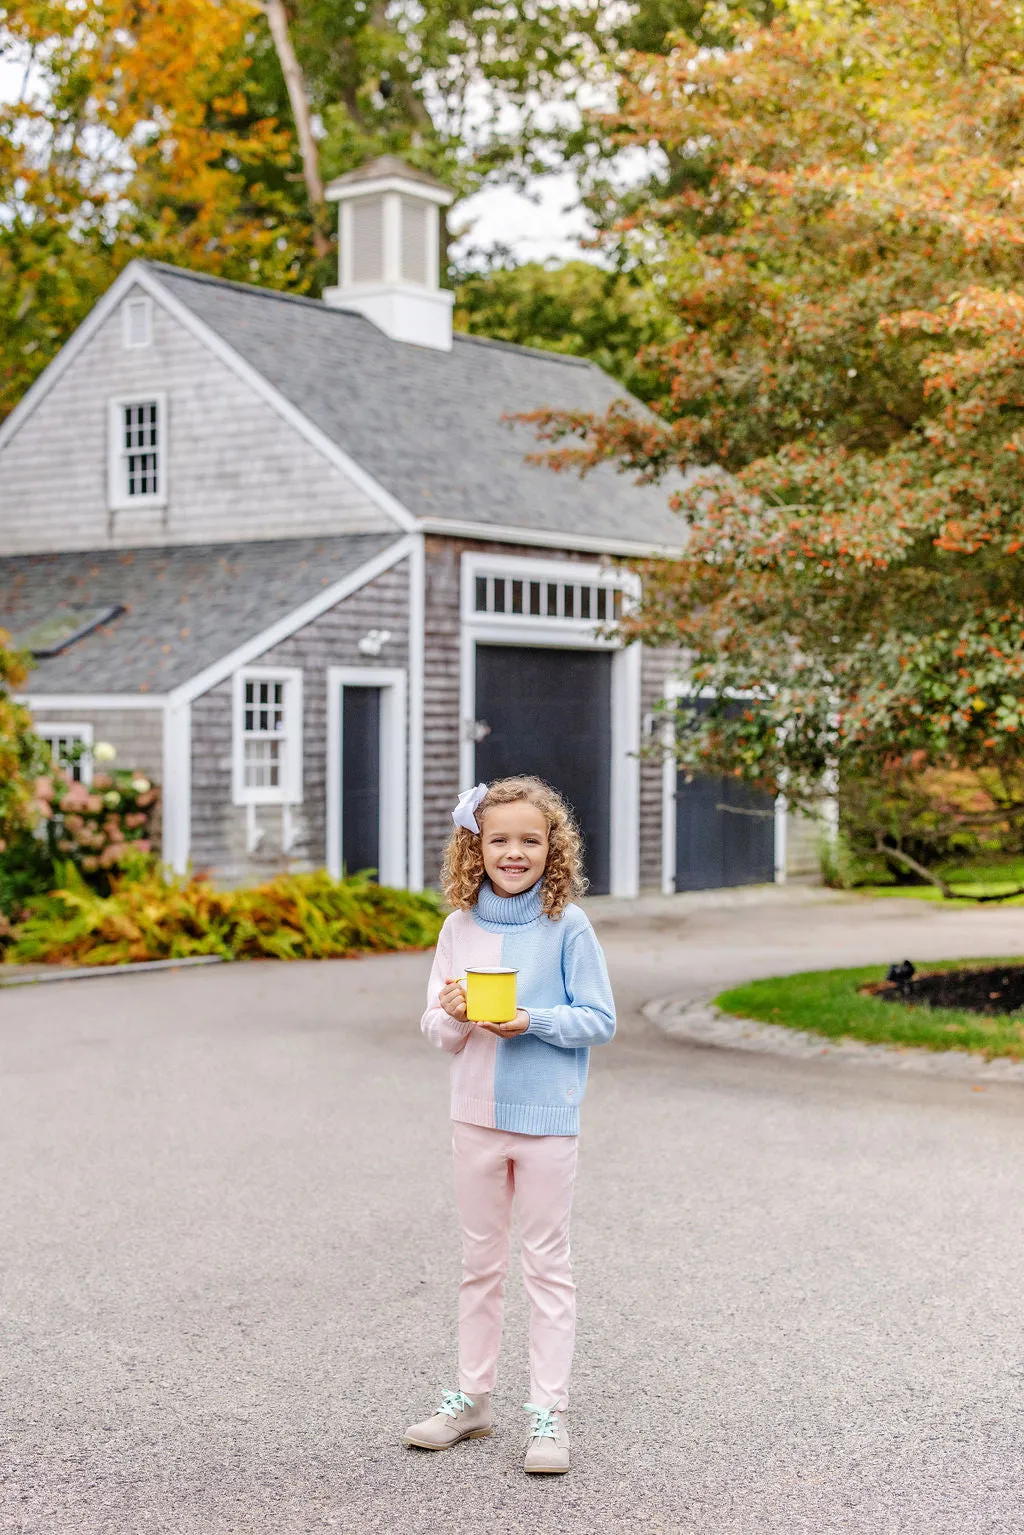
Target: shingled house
{"type": "Point", "coordinates": [288, 557]}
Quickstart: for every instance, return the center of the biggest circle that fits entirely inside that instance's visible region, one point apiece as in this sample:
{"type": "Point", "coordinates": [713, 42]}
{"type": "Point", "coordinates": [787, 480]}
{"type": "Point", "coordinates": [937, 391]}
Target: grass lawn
{"type": "Point", "coordinates": [828, 1002]}
{"type": "Point", "coordinates": [972, 879]}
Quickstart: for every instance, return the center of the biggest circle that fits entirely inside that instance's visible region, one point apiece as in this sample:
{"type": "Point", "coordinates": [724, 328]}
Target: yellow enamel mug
{"type": "Point", "coordinates": [490, 995]}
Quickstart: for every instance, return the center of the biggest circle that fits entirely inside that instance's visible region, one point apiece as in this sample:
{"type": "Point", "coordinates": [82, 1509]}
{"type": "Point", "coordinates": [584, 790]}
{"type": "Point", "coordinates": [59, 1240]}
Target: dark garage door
{"type": "Point", "coordinates": [550, 714]}
{"type": "Point", "coordinates": [360, 779]}
{"type": "Point", "coordinates": [725, 834]}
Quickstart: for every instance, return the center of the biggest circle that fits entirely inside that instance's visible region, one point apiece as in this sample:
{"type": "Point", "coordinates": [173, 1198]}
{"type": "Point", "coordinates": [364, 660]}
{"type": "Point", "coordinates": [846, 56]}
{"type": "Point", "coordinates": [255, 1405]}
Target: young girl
{"type": "Point", "coordinates": [511, 868]}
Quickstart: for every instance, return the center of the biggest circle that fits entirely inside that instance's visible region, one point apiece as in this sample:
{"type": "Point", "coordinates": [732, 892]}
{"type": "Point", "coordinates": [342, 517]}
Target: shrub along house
{"type": "Point", "coordinates": [288, 557]}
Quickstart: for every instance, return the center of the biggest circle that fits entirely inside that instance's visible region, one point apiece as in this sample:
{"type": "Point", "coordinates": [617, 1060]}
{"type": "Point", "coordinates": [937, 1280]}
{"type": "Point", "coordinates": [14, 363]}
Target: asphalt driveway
{"type": "Point", "coordinates": [228, 1259]}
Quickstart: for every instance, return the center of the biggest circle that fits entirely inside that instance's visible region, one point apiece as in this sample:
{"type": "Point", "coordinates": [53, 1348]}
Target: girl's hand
{"type": "Point", "coordinates": [517, 1025]}
{"type": "Point", "coordinates": [452, 997]}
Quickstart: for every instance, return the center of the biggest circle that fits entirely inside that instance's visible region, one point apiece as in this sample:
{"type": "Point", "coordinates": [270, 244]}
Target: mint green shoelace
{"type": "Point", "coordinates": [453, 1402]}
{"type": "Point", "coordinates": [544, 1425]}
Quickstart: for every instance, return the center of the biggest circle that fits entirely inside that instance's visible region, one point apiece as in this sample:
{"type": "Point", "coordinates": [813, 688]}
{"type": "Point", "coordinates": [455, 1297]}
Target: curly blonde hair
{"type": "Point", "coordinates": [462, 872]}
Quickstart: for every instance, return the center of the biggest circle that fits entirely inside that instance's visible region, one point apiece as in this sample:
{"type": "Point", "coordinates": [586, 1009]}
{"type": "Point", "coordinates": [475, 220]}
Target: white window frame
{"type": "Point", "coordinates": [676, 688]}
{"type": "Point", "coordinates": [563, 634]}
{"type": "Point", "coordinates": [289, 790]}
{"type": "Point", "coordinates": [139, 303]}
{"type": "Point", "coordinates": [393, 683]}
{"type": "Point", "coordinates": [58, 730]}
{"type": "Point", "coordinates": [117, 476]}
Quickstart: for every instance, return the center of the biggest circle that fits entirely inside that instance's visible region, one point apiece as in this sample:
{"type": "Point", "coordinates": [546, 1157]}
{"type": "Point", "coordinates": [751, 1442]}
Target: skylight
{"type": "Point", "coordinates": [63, 627]}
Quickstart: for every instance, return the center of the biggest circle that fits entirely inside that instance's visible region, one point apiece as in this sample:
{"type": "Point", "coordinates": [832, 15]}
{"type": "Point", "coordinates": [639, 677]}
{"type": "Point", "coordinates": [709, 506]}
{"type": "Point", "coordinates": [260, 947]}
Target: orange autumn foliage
{"type": "Point", "coordinates": [842, 234]}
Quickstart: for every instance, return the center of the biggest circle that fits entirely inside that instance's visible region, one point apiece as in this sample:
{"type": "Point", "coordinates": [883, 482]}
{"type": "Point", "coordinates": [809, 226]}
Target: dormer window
{"type": "Point", "coordinates": [138, 451]}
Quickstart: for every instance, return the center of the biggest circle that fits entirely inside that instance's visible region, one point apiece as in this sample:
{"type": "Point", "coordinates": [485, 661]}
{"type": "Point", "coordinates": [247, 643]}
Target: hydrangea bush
{"type": "Point", "coordinates": [99, 827]}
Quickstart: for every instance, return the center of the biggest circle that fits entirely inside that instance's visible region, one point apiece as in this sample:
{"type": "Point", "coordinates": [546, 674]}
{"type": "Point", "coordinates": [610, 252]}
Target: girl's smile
{"type": "Point", "coordinates": [514, 844]}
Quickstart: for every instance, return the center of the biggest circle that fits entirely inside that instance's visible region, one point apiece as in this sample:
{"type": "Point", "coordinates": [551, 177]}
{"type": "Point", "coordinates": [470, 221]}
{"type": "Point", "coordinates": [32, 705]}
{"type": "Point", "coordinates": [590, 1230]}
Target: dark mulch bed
{"type": "Point", "coordinates": [976, 991]}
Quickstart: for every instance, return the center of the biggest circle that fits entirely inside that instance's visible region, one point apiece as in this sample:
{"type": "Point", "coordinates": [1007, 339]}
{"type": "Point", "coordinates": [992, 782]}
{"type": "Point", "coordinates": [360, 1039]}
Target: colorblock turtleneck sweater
{"type": "Point", "coordinates": [532, 1083]}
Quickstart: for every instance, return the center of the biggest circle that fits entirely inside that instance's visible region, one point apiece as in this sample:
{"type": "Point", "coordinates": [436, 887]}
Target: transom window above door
{"type": "Point", "coordinates": [545, 591]}
{"type": "Point", "coordinates": [547, 599]}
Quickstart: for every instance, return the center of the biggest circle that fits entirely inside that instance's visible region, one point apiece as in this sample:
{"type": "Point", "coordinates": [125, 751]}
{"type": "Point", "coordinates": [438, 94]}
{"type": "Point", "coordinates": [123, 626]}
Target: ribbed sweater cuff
{"type": "Point", "coordinates": [542, 1023]}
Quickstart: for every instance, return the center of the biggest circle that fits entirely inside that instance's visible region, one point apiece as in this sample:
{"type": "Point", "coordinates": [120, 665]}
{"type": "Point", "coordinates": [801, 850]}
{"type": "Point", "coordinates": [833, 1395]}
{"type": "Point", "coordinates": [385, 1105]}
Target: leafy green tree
{"type": "Point", "coordinates": [612, 317]}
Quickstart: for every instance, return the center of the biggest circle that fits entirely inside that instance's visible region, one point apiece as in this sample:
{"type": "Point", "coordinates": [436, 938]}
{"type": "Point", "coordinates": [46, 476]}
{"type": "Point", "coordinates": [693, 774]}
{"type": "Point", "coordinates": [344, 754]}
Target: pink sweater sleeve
{"type": "Point", "coordinates": [440, 1028]}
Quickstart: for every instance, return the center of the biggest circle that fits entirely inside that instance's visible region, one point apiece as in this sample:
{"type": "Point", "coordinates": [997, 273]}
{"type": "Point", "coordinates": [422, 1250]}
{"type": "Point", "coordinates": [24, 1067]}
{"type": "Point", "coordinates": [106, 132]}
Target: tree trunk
{"type": "Point", "coordinates": [277, 19]}
{"type": "Point", "coordinates": [904, 859]}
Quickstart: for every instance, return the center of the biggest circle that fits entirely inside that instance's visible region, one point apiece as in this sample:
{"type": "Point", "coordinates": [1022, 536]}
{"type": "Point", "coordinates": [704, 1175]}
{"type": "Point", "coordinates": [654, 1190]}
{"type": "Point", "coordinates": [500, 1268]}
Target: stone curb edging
{"type": "Point", "coordinates": [701, 1023]}
{"type": "Point", "coordinates": [91, 972]}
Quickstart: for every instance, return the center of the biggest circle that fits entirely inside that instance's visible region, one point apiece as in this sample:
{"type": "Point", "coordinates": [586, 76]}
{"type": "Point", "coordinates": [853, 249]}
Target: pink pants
{"type": "Point", "coordinates": [492, 1166]}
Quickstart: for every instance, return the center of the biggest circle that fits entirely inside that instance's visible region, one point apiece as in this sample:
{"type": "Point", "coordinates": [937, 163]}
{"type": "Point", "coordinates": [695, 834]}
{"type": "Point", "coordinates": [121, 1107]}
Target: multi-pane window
{"type": "Point", "coordinates": [69, 749]}
{"type": "Point", "coordinates": [268, 736]}
{"type": "Point", "coordinates": [264, 737]}
{"type": "Point", "coordinates": [138, 451]}
{"type": "Point", "coordinates": [590, 601]}
{"type": "Point", "coordinates": [140, 446]}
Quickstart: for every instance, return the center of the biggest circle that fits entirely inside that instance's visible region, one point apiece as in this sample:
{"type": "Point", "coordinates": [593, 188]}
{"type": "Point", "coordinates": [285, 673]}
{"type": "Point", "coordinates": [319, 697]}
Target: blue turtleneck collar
{"type": "Point", "coordinates": [497, 911]}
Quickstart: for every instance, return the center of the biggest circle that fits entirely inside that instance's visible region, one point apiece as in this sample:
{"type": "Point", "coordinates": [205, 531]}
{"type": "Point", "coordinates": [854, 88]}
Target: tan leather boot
{"type": "Point", "coordinates": [548, 1449]}
{"type": "Point", "coordinates": [458, 1417]}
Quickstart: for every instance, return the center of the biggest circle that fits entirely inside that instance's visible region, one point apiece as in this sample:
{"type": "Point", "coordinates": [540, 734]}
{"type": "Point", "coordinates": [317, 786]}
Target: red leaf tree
{"type": "Point", "coordinates": [845, 247]}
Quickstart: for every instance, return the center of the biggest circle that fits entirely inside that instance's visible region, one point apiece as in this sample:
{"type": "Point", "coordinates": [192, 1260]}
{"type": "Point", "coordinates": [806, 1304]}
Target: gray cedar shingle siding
{"type": "Point", "coordinates": [236, 469]}
{"type": "Point", "coordinates": [427, 424]}
{"type": "Point", "coordinates": [658, 666]}
{"type": "Point", "coordinates": [186, 607]}
{"type": "Point", "coordinates": [218, 826]}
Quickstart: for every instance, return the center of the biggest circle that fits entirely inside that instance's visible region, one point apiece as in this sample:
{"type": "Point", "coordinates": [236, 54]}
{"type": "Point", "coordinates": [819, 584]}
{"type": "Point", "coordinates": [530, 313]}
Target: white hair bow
{"type": "Point", "coordinates": [464, 812]}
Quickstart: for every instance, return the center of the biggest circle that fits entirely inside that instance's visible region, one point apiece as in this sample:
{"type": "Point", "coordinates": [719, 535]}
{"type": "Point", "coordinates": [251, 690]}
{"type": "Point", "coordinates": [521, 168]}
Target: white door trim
{"type": "Point", "coordinates": [676, 688]}
{"type": "Point", "coordinates": [393, 684]}
{"type": "Point", "coordinates": [176, 790]}
{"type": "Point", "coordinates": [564, 634]}
{"type": "Point", "coordinates": [417, 676]}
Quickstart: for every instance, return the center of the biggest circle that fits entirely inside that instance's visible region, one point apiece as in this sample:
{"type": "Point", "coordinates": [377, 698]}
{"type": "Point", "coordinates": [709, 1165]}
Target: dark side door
{"type": "Point", "coordinates": [725, 832]}
{"type": "Point", "coordinates": [360, 779]}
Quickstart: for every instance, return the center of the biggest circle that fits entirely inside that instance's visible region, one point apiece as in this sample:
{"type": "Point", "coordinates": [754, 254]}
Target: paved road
{"type": "Point", "coordinates": [228, 1257]}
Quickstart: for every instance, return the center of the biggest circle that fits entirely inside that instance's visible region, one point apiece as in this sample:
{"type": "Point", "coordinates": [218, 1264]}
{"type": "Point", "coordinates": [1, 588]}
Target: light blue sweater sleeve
{"type": "Point", "coordinates": [588, 1018]}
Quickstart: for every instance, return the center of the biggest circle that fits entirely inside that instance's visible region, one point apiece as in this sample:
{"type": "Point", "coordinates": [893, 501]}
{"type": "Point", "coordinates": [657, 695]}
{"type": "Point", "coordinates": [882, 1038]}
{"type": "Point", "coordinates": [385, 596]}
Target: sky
{"type": "Point", "coordinates": [539, 227]}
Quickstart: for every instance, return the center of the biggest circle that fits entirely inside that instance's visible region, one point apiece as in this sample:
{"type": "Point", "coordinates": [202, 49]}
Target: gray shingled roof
{"type": "Point", "coordinates": [428, 424]}
{"type": "Point", "coordinates": [186, 607]}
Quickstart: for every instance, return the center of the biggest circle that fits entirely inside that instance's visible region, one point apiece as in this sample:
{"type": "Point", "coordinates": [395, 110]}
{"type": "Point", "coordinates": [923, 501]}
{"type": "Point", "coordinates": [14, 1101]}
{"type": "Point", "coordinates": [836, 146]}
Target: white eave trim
{"type": "Point", "coordinates": [338, 191]}
{"type": "Point", "coordinates": [584, 543]}
{"type": "Point", "coordinates": [92, 700]}
{"type": "Point", "coordinates": [297, 619]}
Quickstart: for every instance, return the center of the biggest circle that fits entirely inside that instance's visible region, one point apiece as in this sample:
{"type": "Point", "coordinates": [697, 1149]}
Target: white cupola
{"type": "Point", "coordinates": [389, 250]}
